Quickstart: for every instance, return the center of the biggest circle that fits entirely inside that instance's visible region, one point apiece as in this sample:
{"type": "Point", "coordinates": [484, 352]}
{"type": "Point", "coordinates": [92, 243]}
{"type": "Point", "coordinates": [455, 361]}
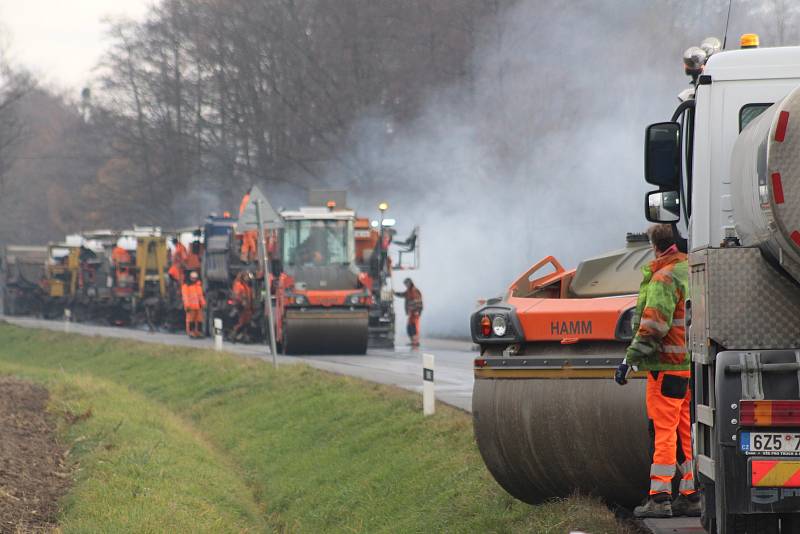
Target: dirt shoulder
{"type": "Point", "coordinates": [32, 475]}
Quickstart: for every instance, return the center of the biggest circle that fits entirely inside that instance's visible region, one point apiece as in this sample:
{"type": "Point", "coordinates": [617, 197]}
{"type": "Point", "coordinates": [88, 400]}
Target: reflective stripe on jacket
{"type": "Point", "coordinates": [659, 320]}
{"type": "Point", "coordinates": [193, 298]}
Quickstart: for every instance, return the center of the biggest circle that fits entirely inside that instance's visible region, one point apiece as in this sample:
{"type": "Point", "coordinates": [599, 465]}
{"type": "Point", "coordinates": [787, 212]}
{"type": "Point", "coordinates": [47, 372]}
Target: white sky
{"type": "Point", "coordinates": [60, 41]}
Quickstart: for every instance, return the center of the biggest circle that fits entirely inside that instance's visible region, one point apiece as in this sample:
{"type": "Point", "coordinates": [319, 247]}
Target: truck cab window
{"type": "Point", "coordinates": [750, 112]}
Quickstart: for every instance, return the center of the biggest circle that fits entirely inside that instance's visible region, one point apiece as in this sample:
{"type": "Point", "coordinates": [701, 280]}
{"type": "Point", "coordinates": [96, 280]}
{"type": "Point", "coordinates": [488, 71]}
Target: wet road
{"type": "Point", "coordinates": [400, 367]}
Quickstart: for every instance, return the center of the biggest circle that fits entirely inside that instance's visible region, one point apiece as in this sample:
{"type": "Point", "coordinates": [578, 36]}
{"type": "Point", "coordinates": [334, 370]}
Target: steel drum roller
{"type": "Point", "coordinates": [545, 438]}
{"type": "Point", "coordinates": [326, 331]}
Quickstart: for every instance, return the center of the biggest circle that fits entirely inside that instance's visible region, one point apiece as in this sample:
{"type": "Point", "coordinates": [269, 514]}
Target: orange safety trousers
{"type": "Point", "coordinates": [194, 320]}
{"type": "Point", "coordinates": [249, 246]}
{"type": "Point", "coordinates": [668, 398]}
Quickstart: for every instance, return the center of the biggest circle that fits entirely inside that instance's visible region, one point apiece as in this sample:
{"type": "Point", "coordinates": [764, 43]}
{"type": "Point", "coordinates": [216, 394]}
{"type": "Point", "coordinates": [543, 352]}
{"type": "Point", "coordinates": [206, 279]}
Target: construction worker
{"type": "Point", "coordinates": [659, 347]}
{"type": "Point", "coordinates": [192, 260]}
{"type": "Point", "coordinates": [178, 258]}
{"type": "Point", "coordinates": [121, 260]}
{"type": "Point", "coordinates": [193, 303]}
{"type": "Point", "coordinates": [249, 251]}
{"type": "Point", "coordinates": [243, 299]}
{"type": "Point", "coordinates": [413, 298]}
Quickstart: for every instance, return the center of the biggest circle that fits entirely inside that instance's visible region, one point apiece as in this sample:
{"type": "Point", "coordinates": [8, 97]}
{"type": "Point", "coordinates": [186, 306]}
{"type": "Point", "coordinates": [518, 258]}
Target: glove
{"type": "Point", "coordinates": [621, 374]}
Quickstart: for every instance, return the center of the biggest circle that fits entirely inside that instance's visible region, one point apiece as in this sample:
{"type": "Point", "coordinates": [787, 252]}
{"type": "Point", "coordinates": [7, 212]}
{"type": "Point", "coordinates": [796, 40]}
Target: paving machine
{"type": "Point", "coordinates": [60, 283]}
{"type": "Point", "coordinates": [727, 164]}
{"type": "Point", "coordinates": [81, 276]}
{"type": "Point", "coordinates": [221, 263]}
{"type": "Point", "coordinates": [549, 419]}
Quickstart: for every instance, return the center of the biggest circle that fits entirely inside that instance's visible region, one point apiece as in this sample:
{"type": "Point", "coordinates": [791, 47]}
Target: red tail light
{"type": "Point", "coordinates": [486, 326]}
{"type": "Point", "coordinates": [480, 362]}
{"type": "Point", "coordinates": [769, 413]}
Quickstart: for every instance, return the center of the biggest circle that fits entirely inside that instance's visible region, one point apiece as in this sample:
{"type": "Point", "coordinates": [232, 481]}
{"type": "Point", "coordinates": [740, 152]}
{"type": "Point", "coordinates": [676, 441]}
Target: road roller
{"type": "Point", "coordinates": [549, 419]}
{"type": "Point", "coordinates": [333, 292]}
{"type": "Point", "coordinates": [727, 169]}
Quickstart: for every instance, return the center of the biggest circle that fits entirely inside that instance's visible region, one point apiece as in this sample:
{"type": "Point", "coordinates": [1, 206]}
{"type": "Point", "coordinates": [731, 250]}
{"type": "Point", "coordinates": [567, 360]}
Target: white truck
{"type": "Point", "coordinates": [727, 167]}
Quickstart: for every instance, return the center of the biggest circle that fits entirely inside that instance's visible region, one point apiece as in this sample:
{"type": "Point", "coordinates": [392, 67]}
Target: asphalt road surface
{"type": "Point", "coordinates": [400, 367]}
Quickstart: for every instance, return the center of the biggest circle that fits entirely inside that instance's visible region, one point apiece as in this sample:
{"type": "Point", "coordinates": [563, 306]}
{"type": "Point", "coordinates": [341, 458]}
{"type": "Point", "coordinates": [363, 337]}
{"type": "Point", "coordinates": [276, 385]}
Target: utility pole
{"type": "Point", "coordinates": [268, 300]}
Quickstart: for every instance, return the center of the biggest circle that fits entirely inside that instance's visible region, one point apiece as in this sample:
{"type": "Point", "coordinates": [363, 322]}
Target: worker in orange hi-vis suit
{"type": "Point", "coordinates": [179, 255]}
{"type": "Point", "coordinates": [243, 298]}
{"type": "Point", "coordinates": [413, 297]}
{"type": "Point", "coordinates": [249, 251]}
{"type": "Point", "coordinates": [121, 260]}
{"type": "Point", "coordinates": [192, 261]}
{"type": "Point", "coordinates": [193, 303]}
{"type": "Point", "coordinates": [659, 347]}
{"type": "Point", "coordinates": [243, 205]}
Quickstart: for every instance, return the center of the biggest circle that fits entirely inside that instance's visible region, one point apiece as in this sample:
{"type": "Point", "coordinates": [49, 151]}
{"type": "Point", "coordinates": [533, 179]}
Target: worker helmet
{"type": "Point", "coordinates": [248, 275]}
{"type": "Point", "coordinates": [193, 275]}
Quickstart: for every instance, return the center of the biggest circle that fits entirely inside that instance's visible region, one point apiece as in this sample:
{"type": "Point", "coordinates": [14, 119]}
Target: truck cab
{"type": "Point", "coordinates": [726, 180]}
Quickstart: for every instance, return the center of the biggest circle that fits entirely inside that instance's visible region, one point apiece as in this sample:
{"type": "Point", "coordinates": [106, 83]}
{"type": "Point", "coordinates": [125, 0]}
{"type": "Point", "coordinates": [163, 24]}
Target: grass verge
{"type": "Point", "coordinates": [189, 440]}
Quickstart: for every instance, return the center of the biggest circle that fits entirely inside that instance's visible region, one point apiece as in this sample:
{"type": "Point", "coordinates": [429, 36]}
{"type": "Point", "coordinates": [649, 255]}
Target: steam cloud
{"type": "Point", "coordinates": [542, 153]}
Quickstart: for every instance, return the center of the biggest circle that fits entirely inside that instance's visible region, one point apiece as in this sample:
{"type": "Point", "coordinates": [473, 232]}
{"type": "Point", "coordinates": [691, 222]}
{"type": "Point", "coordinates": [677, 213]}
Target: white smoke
{"type": "Point", "coordinates": [539, 152]}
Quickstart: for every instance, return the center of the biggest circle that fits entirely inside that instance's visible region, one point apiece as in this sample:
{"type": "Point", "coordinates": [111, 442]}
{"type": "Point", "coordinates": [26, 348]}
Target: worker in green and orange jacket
{"type": "Point", "coordinates": [659, 347]}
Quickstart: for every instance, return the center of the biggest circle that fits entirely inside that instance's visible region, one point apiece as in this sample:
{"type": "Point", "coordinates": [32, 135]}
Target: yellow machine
{"type": "Point", "coordinates": [62, 271]}
{"type": "Point", "coordinates": [151, 264]}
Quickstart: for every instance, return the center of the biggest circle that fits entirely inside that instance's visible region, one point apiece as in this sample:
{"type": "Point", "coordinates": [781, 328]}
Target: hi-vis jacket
{"type": "Point", "coordinates": [659, 320]}
{"type": "Point", "coordinates": [193, 298]}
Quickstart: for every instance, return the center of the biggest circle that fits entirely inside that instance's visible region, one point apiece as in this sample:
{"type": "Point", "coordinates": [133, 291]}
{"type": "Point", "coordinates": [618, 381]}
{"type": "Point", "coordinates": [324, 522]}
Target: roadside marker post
{"type": "Point", "coordinates": [217, 333]}
{"type": "Point", "coordinates": [428, 394]}
{"type": "Point", "coordinates": [67, 318]}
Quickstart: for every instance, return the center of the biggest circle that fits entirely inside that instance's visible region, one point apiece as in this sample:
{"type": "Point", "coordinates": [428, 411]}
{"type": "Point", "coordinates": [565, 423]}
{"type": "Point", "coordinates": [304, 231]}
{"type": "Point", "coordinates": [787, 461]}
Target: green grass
{"type": "Point", "coordinates": [183, 440]}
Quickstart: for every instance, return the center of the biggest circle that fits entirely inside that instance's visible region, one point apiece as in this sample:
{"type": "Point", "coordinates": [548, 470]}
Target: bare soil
{"type": "Point", "coordinates": [32, 473]}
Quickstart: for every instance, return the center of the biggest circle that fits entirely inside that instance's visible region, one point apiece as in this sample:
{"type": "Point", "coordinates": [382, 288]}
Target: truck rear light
{"type": "Point", "coordinates": [769, 413]}
{"type": "Point", "coordinates": [486, 326]}
{"type": "Point", "coordinates": [480, 362]}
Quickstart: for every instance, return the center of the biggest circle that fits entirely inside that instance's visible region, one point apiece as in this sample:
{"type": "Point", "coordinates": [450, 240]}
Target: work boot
{"type": "Point", "coordinates": [657, 505]}
{"type": "Point", "coordinates": [688, 505]}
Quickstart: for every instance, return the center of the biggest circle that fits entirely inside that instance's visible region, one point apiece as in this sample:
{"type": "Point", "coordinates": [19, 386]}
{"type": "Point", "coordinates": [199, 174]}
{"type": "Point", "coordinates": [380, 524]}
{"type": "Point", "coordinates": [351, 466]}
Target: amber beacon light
{"type": "Point", "coordinates": [748, 40]}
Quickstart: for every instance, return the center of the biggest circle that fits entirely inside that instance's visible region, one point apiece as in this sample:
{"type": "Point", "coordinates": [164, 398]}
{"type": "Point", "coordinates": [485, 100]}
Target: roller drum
{"type": "Point", "coordinates": [545, 438]}
{"type": "Point", "coordinates": [326, 331]}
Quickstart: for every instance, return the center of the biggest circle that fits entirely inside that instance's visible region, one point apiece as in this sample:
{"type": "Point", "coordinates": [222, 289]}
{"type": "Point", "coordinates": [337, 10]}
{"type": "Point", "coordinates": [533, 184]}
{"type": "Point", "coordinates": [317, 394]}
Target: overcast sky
{"type": "Point", "coordinates": [60, 40]}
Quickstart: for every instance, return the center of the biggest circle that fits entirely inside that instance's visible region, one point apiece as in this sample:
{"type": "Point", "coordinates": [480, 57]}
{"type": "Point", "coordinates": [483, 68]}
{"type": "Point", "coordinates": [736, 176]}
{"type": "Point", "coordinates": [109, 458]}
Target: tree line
{"type": "Point", "coordinates": [203, 98]}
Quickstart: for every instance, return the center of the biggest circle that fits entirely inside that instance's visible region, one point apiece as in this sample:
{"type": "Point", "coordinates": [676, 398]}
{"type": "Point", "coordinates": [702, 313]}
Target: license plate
{"type": "Point", "coordinates": [770, 443]}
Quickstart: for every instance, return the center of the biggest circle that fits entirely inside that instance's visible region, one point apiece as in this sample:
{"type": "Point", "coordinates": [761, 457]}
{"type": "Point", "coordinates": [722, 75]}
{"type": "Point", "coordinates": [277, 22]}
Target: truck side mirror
{"type": "Point", "coordinates": [662, 206]}
{"type": "Point", "coordinates": [662, 154]}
